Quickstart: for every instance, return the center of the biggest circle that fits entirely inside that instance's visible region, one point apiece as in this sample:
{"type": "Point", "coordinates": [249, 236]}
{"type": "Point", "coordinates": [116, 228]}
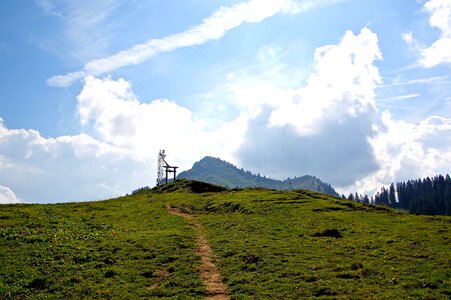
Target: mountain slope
{"type": "Point", "coordinates": [216, 171]}
{"type": "Point", "coordinates": [267, 244]}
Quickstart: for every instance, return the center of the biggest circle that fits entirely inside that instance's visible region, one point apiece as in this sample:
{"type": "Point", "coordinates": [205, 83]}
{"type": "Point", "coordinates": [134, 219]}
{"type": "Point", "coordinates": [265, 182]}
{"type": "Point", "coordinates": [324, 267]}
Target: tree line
{"type": "Point", "coordinates": [428, 196]}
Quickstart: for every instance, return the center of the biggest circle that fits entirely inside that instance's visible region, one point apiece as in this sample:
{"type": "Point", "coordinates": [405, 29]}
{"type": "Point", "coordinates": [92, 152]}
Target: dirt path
{"type": "Point", "coordinates": [208, 271]}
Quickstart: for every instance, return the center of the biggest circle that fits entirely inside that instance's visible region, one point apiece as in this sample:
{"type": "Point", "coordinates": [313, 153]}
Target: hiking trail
{"type": "Point", "coordinates": [210, 274]}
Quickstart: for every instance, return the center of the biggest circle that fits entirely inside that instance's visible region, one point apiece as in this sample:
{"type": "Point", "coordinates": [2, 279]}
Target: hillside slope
{"type": "Point", "coordinates": [216, 171]}
{"type": "Point", "coordinates": [267, 244]}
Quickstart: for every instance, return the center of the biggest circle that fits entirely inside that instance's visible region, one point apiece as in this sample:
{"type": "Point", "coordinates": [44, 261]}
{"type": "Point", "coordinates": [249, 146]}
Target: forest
{"type": "Point", "coordinates": [428, 196]}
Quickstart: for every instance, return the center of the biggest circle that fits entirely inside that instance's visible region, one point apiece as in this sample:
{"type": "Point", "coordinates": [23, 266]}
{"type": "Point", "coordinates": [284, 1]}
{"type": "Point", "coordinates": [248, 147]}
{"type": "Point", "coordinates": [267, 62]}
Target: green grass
{"type": "Point", "coordinates": [291, 245]}
{"type": "Point", "coordinates": [125, 248]}
{"type": "Point", "coordinates": [267, 244]}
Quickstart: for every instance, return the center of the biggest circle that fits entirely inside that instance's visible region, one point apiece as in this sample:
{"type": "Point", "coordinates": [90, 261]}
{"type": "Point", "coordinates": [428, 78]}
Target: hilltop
{"type": "Point", "coordinates": [261, 244]}
{"type": "Point", "coordinates": [216, 171]}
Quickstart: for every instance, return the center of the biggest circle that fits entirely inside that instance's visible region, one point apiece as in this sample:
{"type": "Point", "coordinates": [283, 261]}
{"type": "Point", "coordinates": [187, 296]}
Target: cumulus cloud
{"type": "Point", "coordinates": [338, 153]}
{"type": "Point", "coordinates": [120, 152]}
{"type": "Point", "coordinates": [7, 196]}
{"type": "Point", "coordinates": [329, 128]}
{"type": "Point", "coordinates": [324, 128]}
{"type": "Point", "coordinates": [67, 168]}
{"type": "Point", "coordinates": [111, 110]}
{"type": "Point", "coordinates": [332, 128]}
{"type": "Point", "coordinates": [343, 82]}
{"type": "Point", "coordinates": [440, 51]}
{"type": "Point", "coordinates": [407, 151]}
{"type": "Point", "coordinates": [211, 28]}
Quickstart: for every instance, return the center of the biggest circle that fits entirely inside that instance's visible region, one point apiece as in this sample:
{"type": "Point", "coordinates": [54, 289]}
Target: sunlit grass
{"type": "Point", "coordinates": [267, 244]}
{"type": "Point", "coordinates": [124, 248]}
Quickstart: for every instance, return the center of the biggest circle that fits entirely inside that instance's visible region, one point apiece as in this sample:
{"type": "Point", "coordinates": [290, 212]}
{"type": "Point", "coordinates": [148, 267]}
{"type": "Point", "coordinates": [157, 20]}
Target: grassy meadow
{"type": "Point", "coordinates": [267, 244]}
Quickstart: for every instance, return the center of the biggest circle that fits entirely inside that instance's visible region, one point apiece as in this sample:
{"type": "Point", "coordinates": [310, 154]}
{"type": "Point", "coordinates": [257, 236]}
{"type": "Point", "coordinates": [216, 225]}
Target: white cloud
{"type": "Point", "coordinates": [440, 11]}
{"type": "Point", "coordinates": [65, 80]}
{"type": "Point", "coordinates": [408, 37]}
{"type": "Point", "coordinates": [440, 51]}
{"type": "Point", "coordinates": [48, 6]}
{"type": "Point", "coordinates": [268, 53]}
{"type": "Point", "coordinates": [323, 128]}
{"type": "Point", "coordinates": [343, 81]}
{"type": "Point", "coordinates": [250, 94]}
{"type": "Point", "coordinates": [413, 44]}
{"type": "Point", "coordinates": [211, 28]}
{"type": "Point", "coordinates": [437, 53]}
{"type": "Point", "coordinates": [122, 156]}
{"type": "Point", "coordinates": [7, 196]}
{"type": "Point", "coordinates": [67, 168]}
{"type": "Point", "coordinates": [407, 151]}
{"type": "Point", "coordinates": [427, 80]}
{"type": "Point", "coordinates": [294, 7]}
{"type": "Point", "coordinates": [116, 115]}
{"type": "Point", "coordinates": [401, 97]}
{"type": "Point", "coordinates": [331, 128]}
{"type": "Point", "coordinates": [88, 28]}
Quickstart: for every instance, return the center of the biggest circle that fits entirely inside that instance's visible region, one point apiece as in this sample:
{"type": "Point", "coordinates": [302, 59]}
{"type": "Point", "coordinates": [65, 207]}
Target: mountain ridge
{"type": "Point", "coordinates": [220, 172]}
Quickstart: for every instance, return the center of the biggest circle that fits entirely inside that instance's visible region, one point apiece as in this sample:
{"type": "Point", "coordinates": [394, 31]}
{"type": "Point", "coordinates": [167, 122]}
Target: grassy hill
{"type": "Point", "coordinates": [216, 171]}
{"type": "Point", "coordinates": [267, 244]}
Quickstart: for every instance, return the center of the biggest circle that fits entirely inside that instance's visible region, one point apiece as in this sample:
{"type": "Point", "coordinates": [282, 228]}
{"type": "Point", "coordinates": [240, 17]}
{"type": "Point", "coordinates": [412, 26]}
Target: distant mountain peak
{"type": "Point", "coordinates": [220, 172]}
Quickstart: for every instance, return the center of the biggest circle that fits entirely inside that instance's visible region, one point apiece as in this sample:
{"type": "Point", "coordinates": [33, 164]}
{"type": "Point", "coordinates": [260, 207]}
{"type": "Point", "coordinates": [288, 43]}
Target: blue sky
{"type": "Point", "coordinates": [354, 92]}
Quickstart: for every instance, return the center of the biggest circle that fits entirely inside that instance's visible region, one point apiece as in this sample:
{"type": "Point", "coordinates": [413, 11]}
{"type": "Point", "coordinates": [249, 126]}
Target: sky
{"type": "Point", "coordinates": [355, 92]}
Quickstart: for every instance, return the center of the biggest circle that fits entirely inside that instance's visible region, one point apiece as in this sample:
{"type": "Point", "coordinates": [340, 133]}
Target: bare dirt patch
{"type": "Point", "coordinates": [160, 275]}
{"type": "Point", "coordinates": [210, 274]}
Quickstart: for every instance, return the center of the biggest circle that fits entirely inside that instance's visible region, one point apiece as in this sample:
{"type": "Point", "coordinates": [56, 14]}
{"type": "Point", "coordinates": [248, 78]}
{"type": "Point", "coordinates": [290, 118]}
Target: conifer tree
{"type": "Point", "coordinates": [392, 195]}
{"type": "Point", "coordinates": [366, 200]}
